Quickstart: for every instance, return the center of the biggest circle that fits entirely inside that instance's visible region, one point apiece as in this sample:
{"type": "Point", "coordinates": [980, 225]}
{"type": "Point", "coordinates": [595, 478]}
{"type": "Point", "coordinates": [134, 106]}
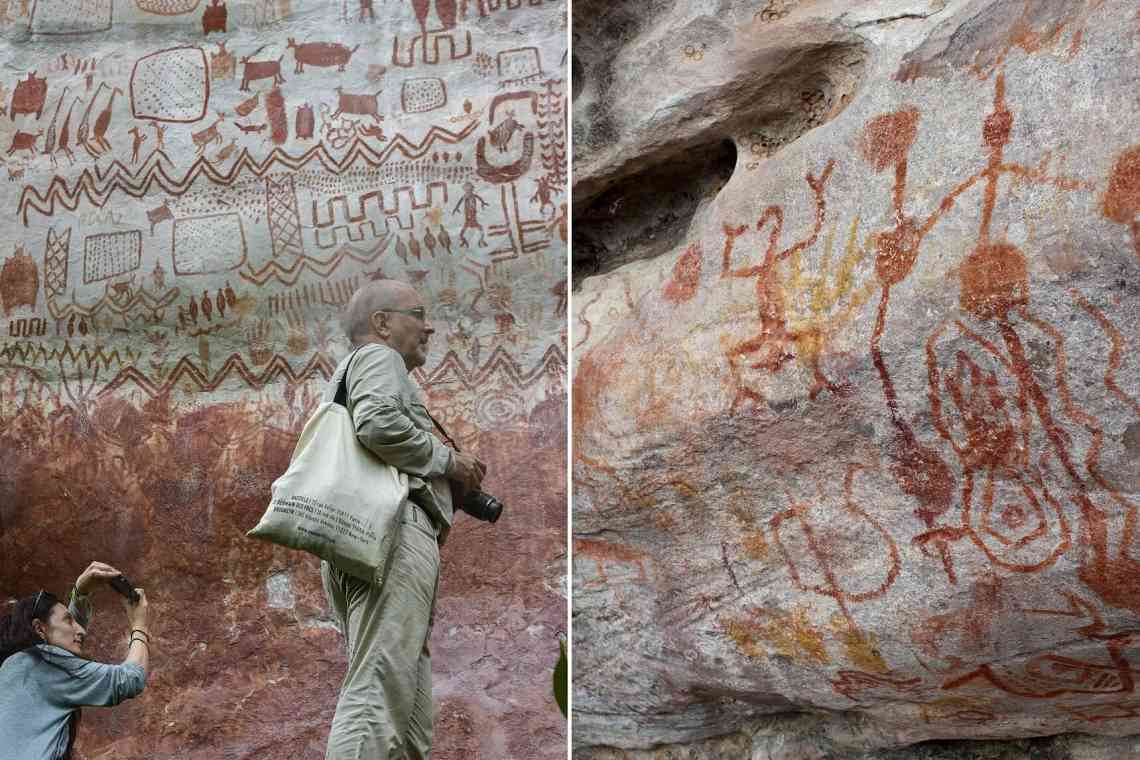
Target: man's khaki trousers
{"type": "Point", "coordinates": [385, 708]}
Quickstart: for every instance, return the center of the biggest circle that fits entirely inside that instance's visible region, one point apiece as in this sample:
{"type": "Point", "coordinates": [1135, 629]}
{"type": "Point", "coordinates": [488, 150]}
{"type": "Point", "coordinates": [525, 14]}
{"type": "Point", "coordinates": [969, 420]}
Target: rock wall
{"type": "Point", "coordinates": [192, 190]}
{"type": "Point", "coordinates": [856, 396]}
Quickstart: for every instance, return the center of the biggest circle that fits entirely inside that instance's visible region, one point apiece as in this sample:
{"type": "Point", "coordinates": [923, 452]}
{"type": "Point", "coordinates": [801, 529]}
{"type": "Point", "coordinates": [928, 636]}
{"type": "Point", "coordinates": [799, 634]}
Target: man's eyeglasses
{"type": "Point", "coordinates": [419, 312]}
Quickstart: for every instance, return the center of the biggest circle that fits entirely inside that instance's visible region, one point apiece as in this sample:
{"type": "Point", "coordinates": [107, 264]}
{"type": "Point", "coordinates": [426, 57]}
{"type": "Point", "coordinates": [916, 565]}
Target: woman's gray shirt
{"type": "Point", "coordinates": [37, 697]}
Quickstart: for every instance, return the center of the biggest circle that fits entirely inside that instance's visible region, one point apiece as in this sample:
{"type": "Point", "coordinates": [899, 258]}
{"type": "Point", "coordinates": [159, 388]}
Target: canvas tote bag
{"type": "Point", "coordinates": [337, 500]}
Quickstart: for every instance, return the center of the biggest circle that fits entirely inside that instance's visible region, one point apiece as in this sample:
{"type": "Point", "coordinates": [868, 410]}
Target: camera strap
{"type": "Point", "coordinates": [341, 398]}
{"type": "Point", "coordinates": [450, 441]}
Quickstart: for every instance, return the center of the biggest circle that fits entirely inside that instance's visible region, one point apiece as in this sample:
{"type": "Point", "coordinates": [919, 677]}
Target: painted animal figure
{"type": "Point", "coordinates": [65, 136]}
{"type": "Point", "coordinates": [361, 105]}
{"type": "Point", "coordinates": [15, 172]}
{"type": "Point", "coordinates": [214, 17]}
{"type": "Point", "coordinates": [207, 136]}
{"type": "Point", "coordinates": [501, 135]}
{"type": "Point", "coordinates": [373, 132]}
{"type": "Point", "coordinates": [255, 70]}
{"type": "Point", "coordinates": [24, 141]}
{"type": "Point", "coordinates": [49, 141]}
{"type": "Point", "coordinates": [102, 122]}
{"type": "Point", "coordinates": [222, 63]}
{"type": "Point", "coordinates": [321, 54]}
{"type": "Point", "coordinates": [248, 106]}
{"type": "Point", "coordinates": [29, 96]}
{"type": "Point", "coordinates": [157, 215]}
{"type": "Point", "coordinates": [248, 128]}
{"type": "Point", "coordinates": [227, 151]}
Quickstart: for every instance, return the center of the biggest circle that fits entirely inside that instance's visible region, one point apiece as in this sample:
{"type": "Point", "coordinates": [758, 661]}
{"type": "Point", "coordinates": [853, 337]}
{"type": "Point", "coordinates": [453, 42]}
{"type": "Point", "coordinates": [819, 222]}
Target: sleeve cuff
{"type": "Point", "coordinates": [447, 459]}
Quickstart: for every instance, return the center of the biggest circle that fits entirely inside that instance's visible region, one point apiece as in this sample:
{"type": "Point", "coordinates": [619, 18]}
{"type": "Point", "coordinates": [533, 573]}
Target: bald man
{"type": "Point", "coordinates": [385, 706]}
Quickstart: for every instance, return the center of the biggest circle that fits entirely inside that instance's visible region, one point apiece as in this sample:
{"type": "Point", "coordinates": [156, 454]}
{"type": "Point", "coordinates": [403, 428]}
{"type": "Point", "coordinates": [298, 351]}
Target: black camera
{"type": "Point", "coordinates": [481, 505]}
{"type": "Point", "coordinates": [126, 588]}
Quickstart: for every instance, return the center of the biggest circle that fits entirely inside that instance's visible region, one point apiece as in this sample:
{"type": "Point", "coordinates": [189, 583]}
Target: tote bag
{"type": "Point", "coordinates": [336, 500]}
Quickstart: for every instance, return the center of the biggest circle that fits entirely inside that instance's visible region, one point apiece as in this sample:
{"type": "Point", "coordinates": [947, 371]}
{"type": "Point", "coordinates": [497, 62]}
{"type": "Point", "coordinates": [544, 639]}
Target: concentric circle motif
{"type": "Point", "coordinates": [499, 408]}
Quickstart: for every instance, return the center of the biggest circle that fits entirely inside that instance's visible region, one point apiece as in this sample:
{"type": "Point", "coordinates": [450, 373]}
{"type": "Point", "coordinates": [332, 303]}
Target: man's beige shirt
{"type": "Point", "coordinates": [391, 420]}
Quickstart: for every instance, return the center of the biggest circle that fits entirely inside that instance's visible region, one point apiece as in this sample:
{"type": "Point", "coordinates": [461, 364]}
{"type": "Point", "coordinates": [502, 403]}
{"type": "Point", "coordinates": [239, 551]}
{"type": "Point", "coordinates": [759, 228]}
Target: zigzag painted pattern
{"type": "Point", "coordinates": [97, 186]}
{"type": "Point", "coordinates": [450, 371]}
{"type": "Point", "coordinates": [25, 352]}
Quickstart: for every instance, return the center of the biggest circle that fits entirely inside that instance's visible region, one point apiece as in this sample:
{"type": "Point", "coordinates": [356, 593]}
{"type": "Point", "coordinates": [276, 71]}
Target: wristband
{"type": "Point", "coordinates": [140, 630]}
{"type": "Point", "coordinates": [141, 641]}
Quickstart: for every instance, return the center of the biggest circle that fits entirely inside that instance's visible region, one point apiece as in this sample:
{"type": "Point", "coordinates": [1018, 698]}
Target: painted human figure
{"type": "Point", "coordinates": [544, 195]}
{"type": "Point", "coordinates": [469, 202]}
{"type": "Point", "coordinates": [137, 139]}
{"type": "Point", "coordinates": [159, 136]}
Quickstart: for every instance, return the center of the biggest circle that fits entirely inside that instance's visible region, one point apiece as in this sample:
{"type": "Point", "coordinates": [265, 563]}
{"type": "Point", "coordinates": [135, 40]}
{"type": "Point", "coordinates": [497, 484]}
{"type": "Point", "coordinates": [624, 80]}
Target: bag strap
{"type": "Point", "coordinates": [341, 396]}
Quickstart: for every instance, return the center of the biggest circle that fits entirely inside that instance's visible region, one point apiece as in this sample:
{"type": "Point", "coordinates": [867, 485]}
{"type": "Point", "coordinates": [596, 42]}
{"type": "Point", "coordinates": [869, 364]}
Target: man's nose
{"type": "Point", "coordinates": [428, 328]}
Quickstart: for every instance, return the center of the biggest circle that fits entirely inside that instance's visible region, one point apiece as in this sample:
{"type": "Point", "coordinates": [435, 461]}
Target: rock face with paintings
{"type": "Point", "coordinates": [192, 191]}
{"type": "Point", "coordinates": [856, 389]}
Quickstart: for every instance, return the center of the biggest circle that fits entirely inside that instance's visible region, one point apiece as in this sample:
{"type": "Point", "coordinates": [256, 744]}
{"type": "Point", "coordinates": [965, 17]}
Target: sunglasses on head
{"type": "Point", "coordinates": [36, 603]}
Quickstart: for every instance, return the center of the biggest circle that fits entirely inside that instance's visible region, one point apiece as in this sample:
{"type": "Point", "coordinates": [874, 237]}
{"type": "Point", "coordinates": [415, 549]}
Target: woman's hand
{"type": "Point", "coordinates": [96, 572]}
{"type": "Point", "coordinates": [137, 613]}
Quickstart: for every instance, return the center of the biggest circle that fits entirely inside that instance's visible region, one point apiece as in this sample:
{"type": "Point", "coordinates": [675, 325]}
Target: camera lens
{"type": "Point", "coordinates": [482, 506]}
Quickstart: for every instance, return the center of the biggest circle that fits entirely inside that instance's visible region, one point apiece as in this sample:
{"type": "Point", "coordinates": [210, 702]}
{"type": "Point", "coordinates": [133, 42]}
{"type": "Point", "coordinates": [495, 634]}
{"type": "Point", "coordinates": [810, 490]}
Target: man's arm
{"type": "Point", "coordinates": [375, 380]}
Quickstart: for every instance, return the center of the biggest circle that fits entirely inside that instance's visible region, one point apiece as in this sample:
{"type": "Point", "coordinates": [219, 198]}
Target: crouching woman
{"type": "Point", "coordinates": [45, 680]}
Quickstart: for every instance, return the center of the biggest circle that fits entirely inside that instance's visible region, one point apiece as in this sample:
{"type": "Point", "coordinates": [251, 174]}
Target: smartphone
{"type": "Point", "coordinates": [126, 588]}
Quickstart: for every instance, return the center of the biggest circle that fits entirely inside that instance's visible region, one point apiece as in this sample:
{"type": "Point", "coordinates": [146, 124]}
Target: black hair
{"type": "Point", "coordinates": [18, 634]}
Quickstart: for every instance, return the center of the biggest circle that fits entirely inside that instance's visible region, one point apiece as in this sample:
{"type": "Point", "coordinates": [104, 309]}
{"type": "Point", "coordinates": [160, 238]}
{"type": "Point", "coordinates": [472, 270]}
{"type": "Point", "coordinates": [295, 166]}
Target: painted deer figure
{"type": "Point", "coordinates": [254, 70]}
{"type": "Point", "coordinates": [207, 136]}
{"type": "Point", "coordinates": [157, 215]}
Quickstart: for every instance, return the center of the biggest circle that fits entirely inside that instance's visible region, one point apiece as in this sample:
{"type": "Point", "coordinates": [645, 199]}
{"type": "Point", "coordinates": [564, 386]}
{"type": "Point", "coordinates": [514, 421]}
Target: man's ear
{"type": "Point", "coordinates": [379, 322]}
{"type": "Point", "coordinates": [38, 627]}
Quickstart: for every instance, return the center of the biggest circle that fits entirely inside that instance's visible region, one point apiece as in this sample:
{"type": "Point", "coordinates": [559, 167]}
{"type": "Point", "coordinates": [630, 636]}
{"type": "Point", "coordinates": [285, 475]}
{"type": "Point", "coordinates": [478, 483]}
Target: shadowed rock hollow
{"type": "Point", "coordinates": [192, 191]}
{"type": "Point", "coordinates": [856, 460]}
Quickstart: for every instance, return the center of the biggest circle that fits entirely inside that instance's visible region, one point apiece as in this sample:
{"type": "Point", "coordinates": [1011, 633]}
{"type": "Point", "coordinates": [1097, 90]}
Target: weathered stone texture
{"type": "Point", "coordinates": [856, 408]}
{"type": "Point", "coordinates": [193, 189]}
